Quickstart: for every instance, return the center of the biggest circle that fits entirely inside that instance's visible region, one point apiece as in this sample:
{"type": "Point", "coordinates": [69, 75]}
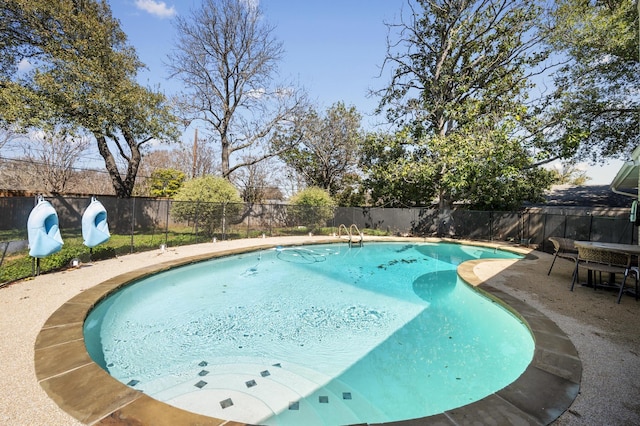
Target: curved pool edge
{"type": "Point", "coordinates": [80, 387]}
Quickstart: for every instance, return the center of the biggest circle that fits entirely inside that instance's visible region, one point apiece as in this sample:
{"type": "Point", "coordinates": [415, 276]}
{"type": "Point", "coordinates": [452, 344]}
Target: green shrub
{"type": "Point", "coordinates": [166, 182]}
{"type": "Point", "coordinates": [206, 201]}
{"type": "Point", "coordinates": [313, 207]}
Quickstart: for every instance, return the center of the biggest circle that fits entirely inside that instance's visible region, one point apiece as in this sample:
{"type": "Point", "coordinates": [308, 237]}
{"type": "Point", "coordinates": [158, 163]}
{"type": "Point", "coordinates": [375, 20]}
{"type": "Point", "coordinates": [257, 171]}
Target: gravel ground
{"type": "Point", "coordinates": [607, 335]}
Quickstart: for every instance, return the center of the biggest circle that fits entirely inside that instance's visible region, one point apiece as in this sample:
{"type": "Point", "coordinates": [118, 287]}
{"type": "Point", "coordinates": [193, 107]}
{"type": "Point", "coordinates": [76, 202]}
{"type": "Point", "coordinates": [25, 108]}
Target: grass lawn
{"type": "Point", "coordinates": [20, 265]}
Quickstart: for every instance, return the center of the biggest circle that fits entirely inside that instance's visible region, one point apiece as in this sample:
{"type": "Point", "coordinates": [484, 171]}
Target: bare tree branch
{"type": "Point", "coordinates": [227, 57]}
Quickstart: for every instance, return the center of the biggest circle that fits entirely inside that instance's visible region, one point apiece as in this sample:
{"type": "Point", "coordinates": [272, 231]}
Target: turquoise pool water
{"type": "Point", "coordinates": [314, 335]}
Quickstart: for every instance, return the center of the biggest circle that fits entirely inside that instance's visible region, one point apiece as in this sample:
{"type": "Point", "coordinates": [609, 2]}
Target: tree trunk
{"type": "Point", "coordinates": [122, 187]}
{"type": "Point", "coordinates": [224, 160]}
{"type": "Point", "coordinates": [133, 163]}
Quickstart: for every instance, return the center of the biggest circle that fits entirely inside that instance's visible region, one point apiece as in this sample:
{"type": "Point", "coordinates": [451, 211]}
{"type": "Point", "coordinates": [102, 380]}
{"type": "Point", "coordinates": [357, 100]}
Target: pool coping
{"type": "Point", "coordinates": [80, 387]}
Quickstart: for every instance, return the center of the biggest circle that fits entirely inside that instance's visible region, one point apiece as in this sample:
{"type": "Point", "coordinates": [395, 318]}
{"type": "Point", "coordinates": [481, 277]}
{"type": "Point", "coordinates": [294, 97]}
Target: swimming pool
{"type": "Point", "coordinates": [228, 351]}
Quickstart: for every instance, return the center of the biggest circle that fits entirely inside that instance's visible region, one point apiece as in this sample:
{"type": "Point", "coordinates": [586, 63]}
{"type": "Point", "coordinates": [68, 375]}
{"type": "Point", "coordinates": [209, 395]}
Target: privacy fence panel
{"type": "Point", "coordinates": [391, 221]}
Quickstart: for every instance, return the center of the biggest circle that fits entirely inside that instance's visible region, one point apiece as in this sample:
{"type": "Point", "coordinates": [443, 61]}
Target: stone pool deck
{"type": "Point", "coordinates": [42, 317]}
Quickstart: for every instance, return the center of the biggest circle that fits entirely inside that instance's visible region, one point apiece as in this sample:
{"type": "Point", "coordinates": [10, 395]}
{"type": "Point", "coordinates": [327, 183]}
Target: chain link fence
{"type": "Point", "coordinates": [139, 224]}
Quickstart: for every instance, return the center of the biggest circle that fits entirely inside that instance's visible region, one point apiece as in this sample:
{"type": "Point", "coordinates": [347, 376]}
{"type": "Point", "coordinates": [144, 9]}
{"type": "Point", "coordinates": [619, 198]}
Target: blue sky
{"type": "Point", "coordinates": [334, 49]}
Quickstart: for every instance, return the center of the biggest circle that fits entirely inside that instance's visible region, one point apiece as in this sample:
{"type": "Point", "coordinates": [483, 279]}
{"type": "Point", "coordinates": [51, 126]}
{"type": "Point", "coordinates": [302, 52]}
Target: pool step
{"type": "Point", "coordinates": [258, 392]}
{"type": "Point", "coordinates": [331, 404]}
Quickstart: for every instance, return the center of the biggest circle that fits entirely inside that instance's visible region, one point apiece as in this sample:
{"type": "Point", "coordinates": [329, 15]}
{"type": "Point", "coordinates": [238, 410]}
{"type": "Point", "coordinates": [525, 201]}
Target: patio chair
{"type": "Point", "coordinates": [636, 272]}
{"type": "Point", "coordinates": [565, 248]}
{"type": "Point", "coordinates": [602, 260]}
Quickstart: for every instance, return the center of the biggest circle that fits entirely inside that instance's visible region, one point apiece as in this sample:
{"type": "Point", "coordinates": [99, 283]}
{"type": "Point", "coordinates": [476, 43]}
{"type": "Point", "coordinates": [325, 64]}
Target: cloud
{"type": "Point", "coordinates": [158, 8]}
{"type": "Point", "coordinates": [252, 3]}
{"type": "Point", "coordinates": [256, 93]}
{"type": "Point", "coordinates": [24, 65]}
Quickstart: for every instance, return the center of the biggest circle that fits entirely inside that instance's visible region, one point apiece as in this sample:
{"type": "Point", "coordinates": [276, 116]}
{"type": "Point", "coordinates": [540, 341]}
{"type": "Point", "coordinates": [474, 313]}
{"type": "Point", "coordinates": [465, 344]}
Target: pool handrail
{"type": "Point", "coordinates": [349, 232]}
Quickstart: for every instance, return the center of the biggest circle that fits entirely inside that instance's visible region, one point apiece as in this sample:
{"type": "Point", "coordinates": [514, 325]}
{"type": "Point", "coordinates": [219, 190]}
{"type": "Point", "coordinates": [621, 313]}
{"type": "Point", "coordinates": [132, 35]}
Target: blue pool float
{"type": "Point", "coordinates": [43, 231]}
{"type": "Point", "coordinates": [95, 229]}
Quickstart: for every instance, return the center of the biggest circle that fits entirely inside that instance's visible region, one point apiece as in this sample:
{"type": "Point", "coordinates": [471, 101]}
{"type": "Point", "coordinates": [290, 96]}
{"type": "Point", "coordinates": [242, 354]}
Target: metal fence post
{"type": "Point", "coordinates": [544, 231]}
{"type": "Point", "coordinates": [133, 220]}
{"type": "Point", "coordinates": [249, 221]}
{"type": "Point", "coordinates": [490, 226]}
{"type": "Point", "coordinates": [166, 226]}
{"type": "Point", "coordinates": [224, 221]}
{"type": "Point", "coordinates": [195, 220]}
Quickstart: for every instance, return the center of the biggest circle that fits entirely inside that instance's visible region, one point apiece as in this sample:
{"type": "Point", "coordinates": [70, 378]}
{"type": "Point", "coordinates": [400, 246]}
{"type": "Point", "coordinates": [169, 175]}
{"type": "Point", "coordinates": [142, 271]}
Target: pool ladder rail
{"type": "Point", "coordinates": [350, 233]}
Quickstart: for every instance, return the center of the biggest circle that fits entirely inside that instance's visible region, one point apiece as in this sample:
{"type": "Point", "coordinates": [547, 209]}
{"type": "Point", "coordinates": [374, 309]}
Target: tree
{"type": "Point", "coordinates": [495, 173]}
{"type": "Point", "coordinates": [208, 201]}
{"type": "Point", "coordinates": [459, 80]}
{"type": "Point", "coordinates": [352, 191]}
{"type": "Point", "coordinates": [52, 158]}
{"type": "Point", "coordinates": [227, 57]}
{"type": "Point", "coordinates": [327, 147]}
{"type": "Point", "coordinates": [593, 111]}
{"type": "Point", "coordinates": [395, 173]}
{"type": "Point", "coordinates": [254, 181]}
{"type": "Point", "coordinates": [313, 207]}
{"type": "Point", "coordinates": [81, 76]}
{"type": "Point", "coordinates": [7, 135]}
{"type": "Point", "coordinates": [568, 174]}
{"type": "Point", "coordinates": [201, 156]}
{"type": "Point", "coordinates": [491, 172]}
{"type": "Point", "coordinates": [166, 182]}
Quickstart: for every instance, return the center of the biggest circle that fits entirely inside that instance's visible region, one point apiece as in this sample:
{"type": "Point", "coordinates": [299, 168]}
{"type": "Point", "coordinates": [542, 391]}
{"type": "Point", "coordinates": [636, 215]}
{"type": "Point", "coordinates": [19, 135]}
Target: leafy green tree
{"type": "Point", "coordinates": [491, 172]}
{"type": "Point", "coordinates": [326, 147]}
{"type": "Point", "coordinates": [459, 82]}
{"type": "Point", "coordinates": [67, 64]}
{"type": "Point", "coordinates": [166, 182]}
{"type": "Point", "coordinates": [351, 191]}
{"type": "Point", "coordinates": [208, 201]}
{"type": "Point", "coordinates": [396, 176]}
{"type": "Point", "coordinates": [593, 112]}
{"type": "Point", "coordinates": [313, 207]}
{"type": "Point", "coordinates": [495, 173]}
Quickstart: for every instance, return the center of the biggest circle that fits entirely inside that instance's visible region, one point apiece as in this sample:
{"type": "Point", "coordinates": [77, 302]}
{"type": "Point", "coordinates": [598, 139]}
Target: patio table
{"type": "Point", "coordinates": [632, 250]}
